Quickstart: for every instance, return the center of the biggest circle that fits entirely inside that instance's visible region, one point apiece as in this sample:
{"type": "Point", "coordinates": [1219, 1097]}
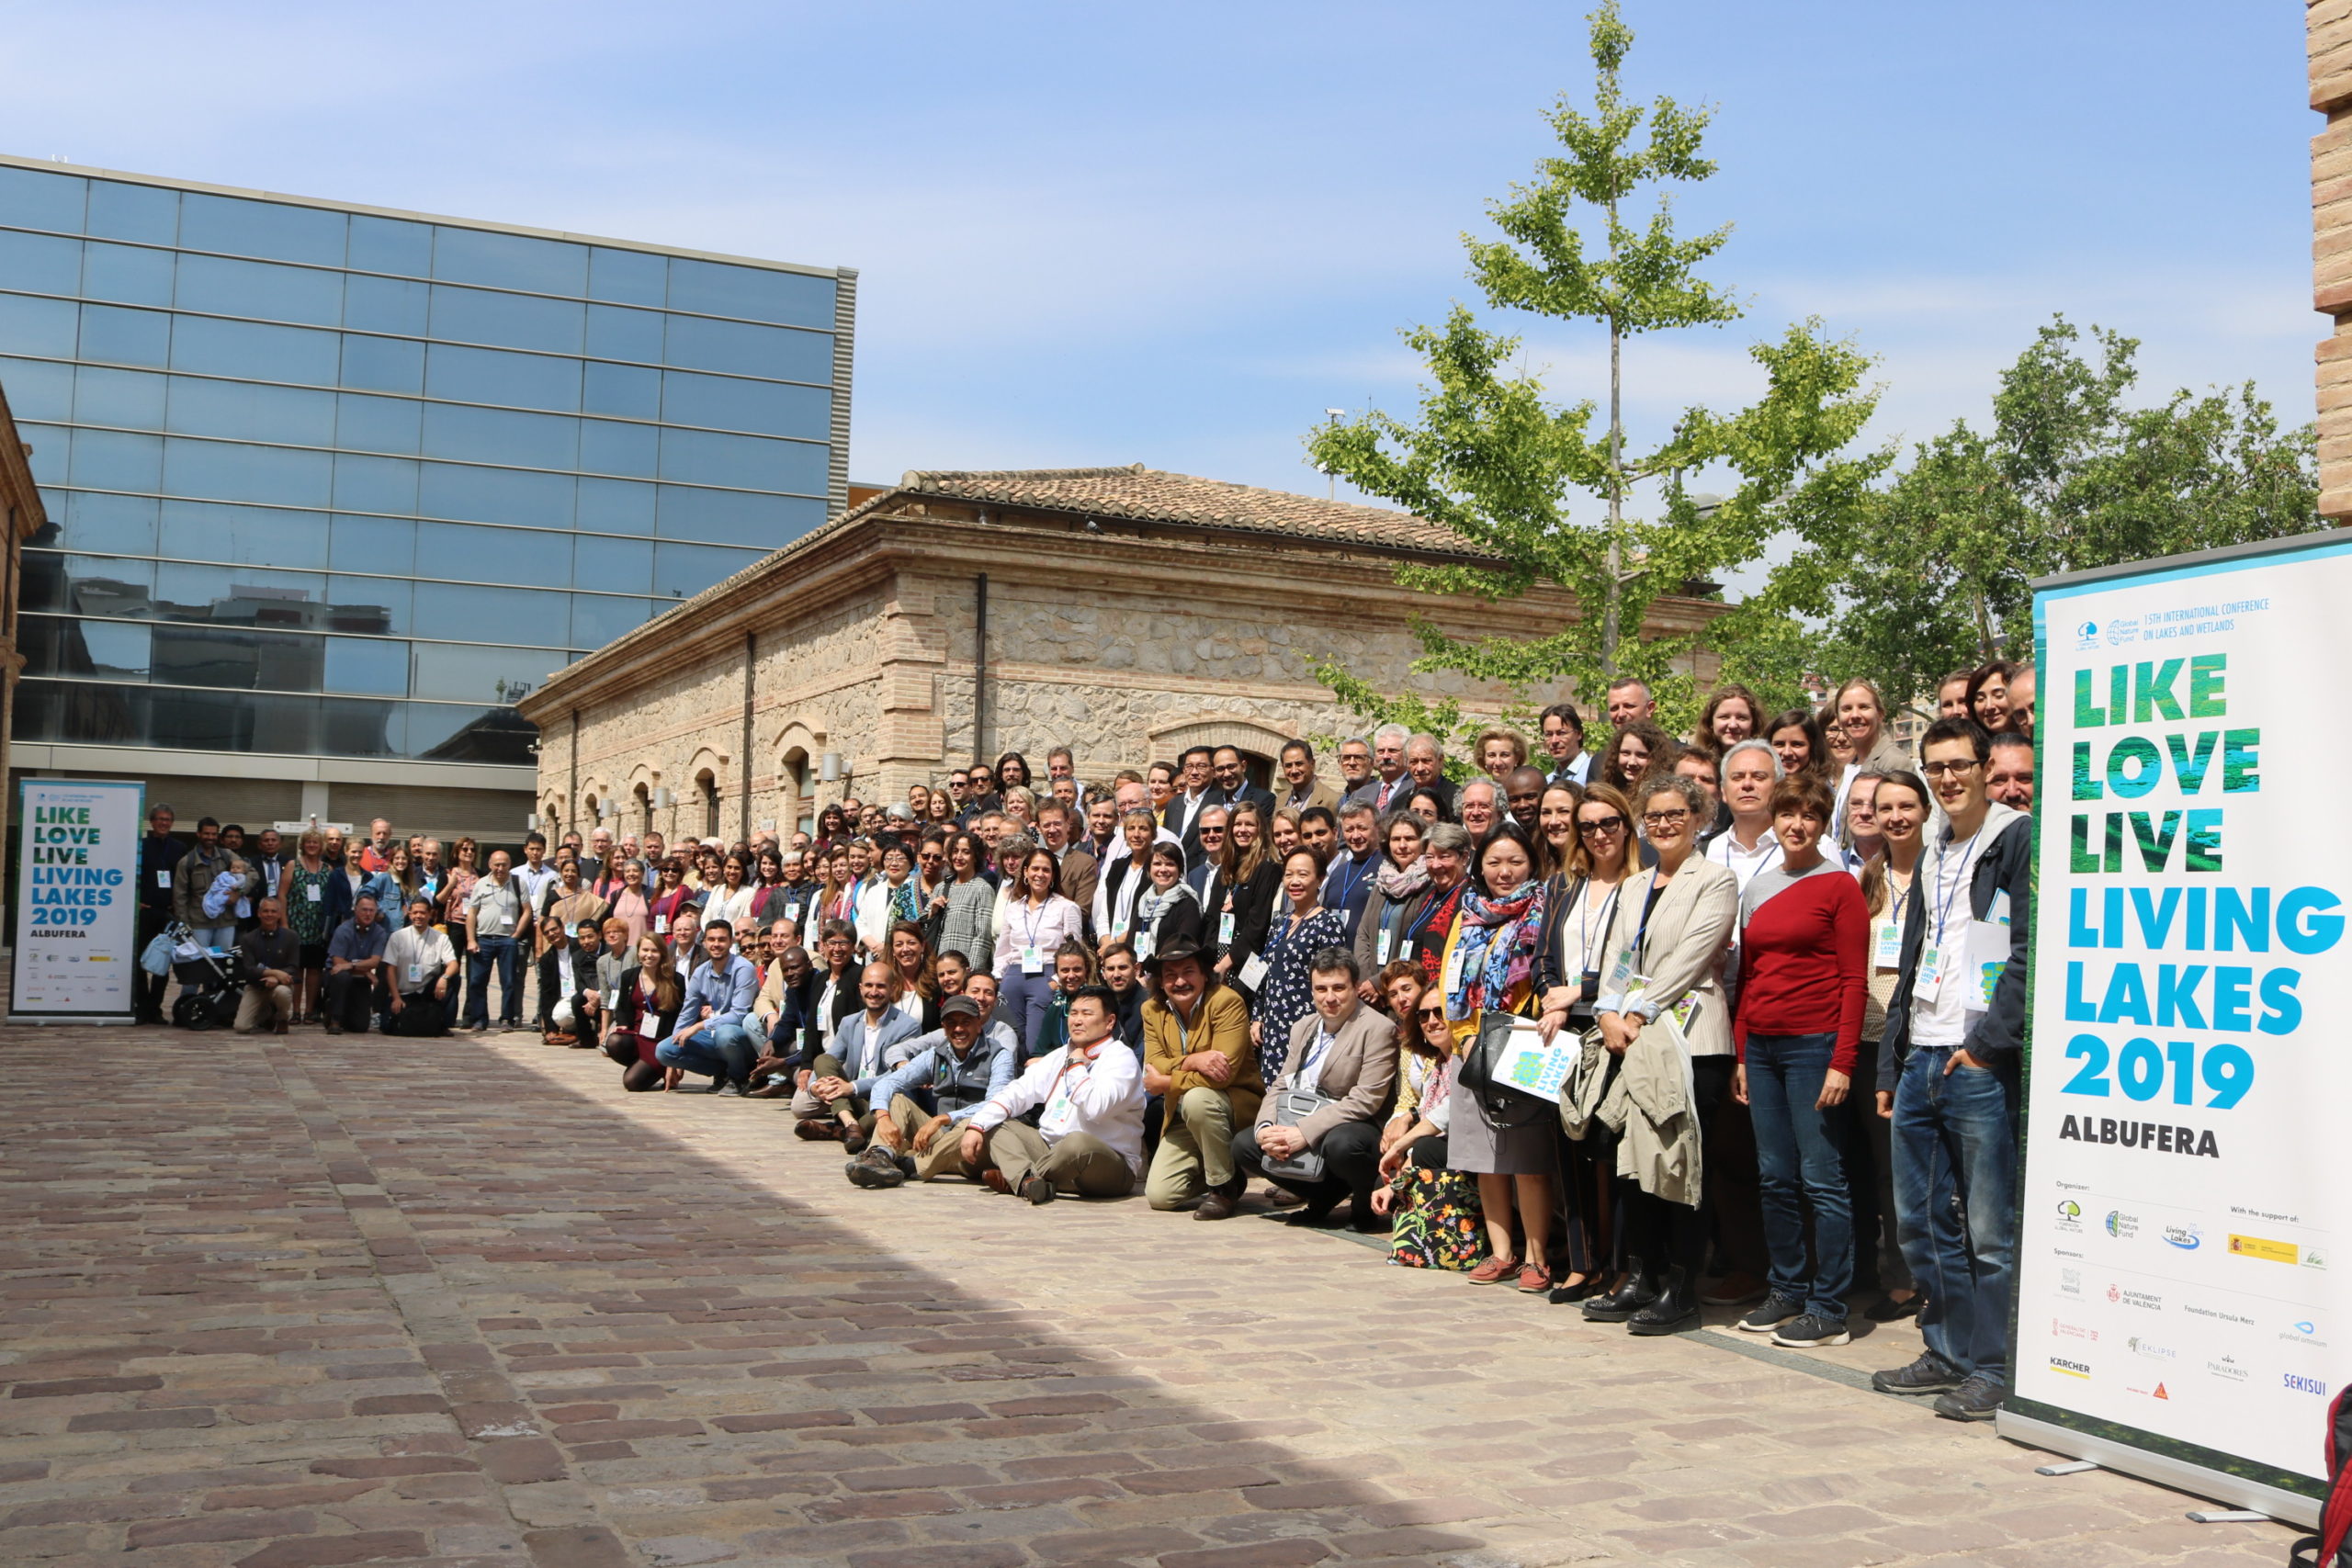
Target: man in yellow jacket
{"type": "Point", "coordinates": [1197, 1057]}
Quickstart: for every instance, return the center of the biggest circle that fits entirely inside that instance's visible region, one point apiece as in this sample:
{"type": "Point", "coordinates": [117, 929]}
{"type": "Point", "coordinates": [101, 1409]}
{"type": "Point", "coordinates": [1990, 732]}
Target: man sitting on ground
{"type": "Point", "coordinates": [1318, 1131]}
{"type": "Point", "coordinates": [355, 967]}
{"type": "Point", "coordinates": [1198, 1059]}
{"type": "Point", "coordinates": [1088, 1137]}
{"type": "Point", "coordinates": [950, 1073]}
{"type": "Point", "coordinates": [834, 1101]}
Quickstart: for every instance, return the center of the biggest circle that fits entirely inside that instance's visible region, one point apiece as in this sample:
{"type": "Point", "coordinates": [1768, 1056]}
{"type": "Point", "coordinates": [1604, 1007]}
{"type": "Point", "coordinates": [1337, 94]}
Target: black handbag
{"type": "Point", "coordinates": [1503, 1104]}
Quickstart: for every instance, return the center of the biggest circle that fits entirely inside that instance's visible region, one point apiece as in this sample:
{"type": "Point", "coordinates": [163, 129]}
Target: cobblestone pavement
{"type": "Point", "coordinates": [318, 1302]}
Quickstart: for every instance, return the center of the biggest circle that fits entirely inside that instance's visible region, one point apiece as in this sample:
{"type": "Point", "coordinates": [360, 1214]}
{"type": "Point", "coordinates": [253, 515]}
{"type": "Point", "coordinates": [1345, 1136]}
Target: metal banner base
{"type": "Point", "coordinates": [2289, 1508]}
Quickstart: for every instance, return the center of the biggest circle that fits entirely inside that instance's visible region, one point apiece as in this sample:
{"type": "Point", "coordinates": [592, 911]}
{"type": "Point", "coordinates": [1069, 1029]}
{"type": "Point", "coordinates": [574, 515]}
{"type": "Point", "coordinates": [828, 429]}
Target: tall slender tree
{"type": "Point", "coordinates": [1496, 461]}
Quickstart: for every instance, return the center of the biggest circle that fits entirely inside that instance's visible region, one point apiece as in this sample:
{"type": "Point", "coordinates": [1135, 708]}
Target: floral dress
{"type": "Point", "coordinates": [306, 916]}
{"type": "Point", "coordinates": [1436, 1221]}
{"type": "Point", "coordinates": [1284, 997]}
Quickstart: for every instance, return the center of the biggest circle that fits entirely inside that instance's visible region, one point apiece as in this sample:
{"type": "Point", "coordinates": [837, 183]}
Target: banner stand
{"type": "Point", "coordinates": [2124, 1459]}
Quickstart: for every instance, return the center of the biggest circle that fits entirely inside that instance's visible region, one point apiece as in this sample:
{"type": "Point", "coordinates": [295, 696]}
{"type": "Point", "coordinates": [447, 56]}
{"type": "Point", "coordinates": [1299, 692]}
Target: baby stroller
{"type": "Point", "coordinates": [210, 989]}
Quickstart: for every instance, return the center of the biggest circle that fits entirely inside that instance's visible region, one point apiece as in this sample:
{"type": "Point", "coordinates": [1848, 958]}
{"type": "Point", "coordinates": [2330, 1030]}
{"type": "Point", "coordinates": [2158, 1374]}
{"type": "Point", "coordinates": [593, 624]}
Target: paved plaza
{"type": "Point", "coordinates": [308, 1302]}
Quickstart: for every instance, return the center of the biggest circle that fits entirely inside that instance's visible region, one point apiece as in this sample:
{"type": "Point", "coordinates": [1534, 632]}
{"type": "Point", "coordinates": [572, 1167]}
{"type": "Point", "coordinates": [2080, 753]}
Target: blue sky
{"type": "Point", "coordinates": [1176, 235]}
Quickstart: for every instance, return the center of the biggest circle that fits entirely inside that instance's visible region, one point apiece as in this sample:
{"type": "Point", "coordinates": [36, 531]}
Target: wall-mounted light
{"type": "Point", "coordinates": [831, 767]}
{"type": "Point", "coordinates": [531, 821]}
{"type": "Point", "coordinates": [767, 824]}
{"type": "Point", "coordinates": [663, 798]}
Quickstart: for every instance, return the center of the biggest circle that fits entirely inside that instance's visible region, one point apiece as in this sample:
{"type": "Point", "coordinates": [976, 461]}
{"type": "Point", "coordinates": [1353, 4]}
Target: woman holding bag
{"type": "Point", "coordinates": [1489, 967]}
{"type": "Point", "coordinates": [1661, 1011]}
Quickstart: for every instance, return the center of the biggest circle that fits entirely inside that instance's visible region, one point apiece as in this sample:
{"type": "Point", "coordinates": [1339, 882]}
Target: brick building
{"type": "Point", "coordinates": [2329, 36]}
{"type": "Point", "coordinates": [1125, 612]}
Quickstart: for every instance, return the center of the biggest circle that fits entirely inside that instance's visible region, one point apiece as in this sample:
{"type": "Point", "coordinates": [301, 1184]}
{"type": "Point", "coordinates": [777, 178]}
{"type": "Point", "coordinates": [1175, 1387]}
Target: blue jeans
{"type": "Point", "coordinates": [716, 1051]}
{"type": "Point", "coordinates": [1801, 1165]}
{"type": "Point", "coordinates": [1955, 1146]}
{"type": "Point", "coordinates": [499, 951]}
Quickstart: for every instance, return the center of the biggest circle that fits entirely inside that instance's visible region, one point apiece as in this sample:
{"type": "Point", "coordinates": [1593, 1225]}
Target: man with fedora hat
{"type": "Point", "coordinates": [922, 1098]}
{"type": "Point", "coordinates": [1197, 1057]}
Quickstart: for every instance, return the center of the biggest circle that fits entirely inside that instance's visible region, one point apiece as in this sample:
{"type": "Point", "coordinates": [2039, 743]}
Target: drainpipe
{"type": "Point", "coordinates": [572, 800]}
{"type": "Point", "coordinates": [980, 665]}
{"type": "Point", "coordinates": [750, 650]}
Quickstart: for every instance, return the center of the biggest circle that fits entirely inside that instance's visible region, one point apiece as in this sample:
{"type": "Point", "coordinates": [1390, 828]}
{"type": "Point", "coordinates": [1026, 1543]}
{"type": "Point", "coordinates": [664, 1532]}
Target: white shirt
{"type": "Point", "coordinates": [1725, 851]}
{"type": "Point", "coordinates": [1941, 1018]}
{"type": "Point", "coordinates": [1104, 1098]}
{"type": "Point", "coordinates": [428, 948]}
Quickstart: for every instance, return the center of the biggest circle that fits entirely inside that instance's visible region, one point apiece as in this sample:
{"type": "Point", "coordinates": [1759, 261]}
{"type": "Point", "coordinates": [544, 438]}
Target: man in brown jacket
{"type": "Point", "coordinates": [1197, 1057]}
{"type": "Point", "coordinates": [1327, 1107]}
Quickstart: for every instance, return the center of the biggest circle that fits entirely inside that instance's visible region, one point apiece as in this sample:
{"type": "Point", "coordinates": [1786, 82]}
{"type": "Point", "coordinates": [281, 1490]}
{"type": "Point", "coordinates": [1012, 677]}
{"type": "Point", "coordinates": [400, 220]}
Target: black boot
{"type": "Point", "coordinates": [1675, 1310]}
{"type": "Point", "coordinates": [1625, 1299]}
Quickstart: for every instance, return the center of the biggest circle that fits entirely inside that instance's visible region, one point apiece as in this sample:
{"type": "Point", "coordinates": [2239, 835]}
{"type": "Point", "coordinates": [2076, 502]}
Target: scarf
{"type": "Point", "coordinates": [1152, 903]}
{"type": "Point", "coordinates": [1496, 949]}
{"type": "Point", "coordinates": [1399, 884]}
{"type": "Point", "coordinates": [906, 904]}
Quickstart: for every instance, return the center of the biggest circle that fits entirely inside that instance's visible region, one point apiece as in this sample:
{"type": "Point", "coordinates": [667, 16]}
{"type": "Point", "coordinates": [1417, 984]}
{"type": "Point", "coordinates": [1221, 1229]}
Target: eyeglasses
{"type": "Point", "coordinates": [1939, 770]}
{"type": "Point", "coordinates": [1438, 1011]}
{"type": "Point", "coordinates": [1212, 832]}
{"type": "Point", "coordinates": [1664, 819]}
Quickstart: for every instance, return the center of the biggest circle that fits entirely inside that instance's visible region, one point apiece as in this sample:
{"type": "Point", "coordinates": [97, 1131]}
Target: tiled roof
{"type": "Point", "coordinates": [1148, 496]}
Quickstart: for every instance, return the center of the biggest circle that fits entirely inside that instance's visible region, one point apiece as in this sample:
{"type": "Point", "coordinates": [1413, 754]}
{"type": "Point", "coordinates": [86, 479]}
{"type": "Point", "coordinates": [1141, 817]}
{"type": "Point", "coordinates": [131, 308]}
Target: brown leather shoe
{"type": "Point", "coordinates": [1215, 1206]}
{"type": "Point", "coordinates": [818, 1130]}
{"type": "Point", "coordinates": [993, 1179]}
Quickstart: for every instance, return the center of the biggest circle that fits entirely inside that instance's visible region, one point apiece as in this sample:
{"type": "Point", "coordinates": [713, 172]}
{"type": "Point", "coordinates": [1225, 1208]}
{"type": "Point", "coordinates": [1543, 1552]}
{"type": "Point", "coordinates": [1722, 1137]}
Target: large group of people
{"type": "Point", "coordinates": [1776, 969]}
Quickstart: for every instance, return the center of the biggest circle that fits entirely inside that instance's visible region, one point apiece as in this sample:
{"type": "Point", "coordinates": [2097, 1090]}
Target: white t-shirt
{"type": "Point", "coordinates": [1940, 1017]}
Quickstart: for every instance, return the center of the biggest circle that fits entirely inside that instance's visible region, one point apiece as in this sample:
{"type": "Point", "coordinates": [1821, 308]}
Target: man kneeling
{"type": "Point", "coordinates": [1089, 1139]}
{"type": "Point", "coordinates": [923, 1100]}
{"type": "Point", "coordinates": [1318, 1131]}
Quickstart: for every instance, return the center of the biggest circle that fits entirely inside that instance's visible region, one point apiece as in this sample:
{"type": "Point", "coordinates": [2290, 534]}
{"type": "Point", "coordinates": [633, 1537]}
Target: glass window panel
{"type": "Point", "coordinates": [46, 201]}
{"type": "Point", "coordinates": [248, 411]}
{"type": "Point", "coordinates": [365, 664]}
{"type": "Point", "coordinates": [460, 610]}
{"type": "Point", "coordinates": [38, 326]}
{"type": "Point", "coordinates": [729, 402]}
{"type": "Point", "coordinates": [630, 277]}
{"type": "Point", "coordinates": [45, 263]}
{"type": "Point", "coordinates": [385, 363]}
{"type": "Point", "coordinates": [111, 460]}
{"type": "Point", "coordinates": [237, 657]}
{"type": "Point", "coordinates": [615, 333]}
{"type": "Point", "coordinates": [245, 536]}
{"type": "Point", "coordinates": [611, 566]}
{"type": "Point", "coordinates": [749, 462]}
{"type": "Point", "coordinates": [129, 275]}
{"type": "Point", "coordinates": [496, 495]}
{"type": "Point", "coordinates": [124, 522]}
{"type": "Point", "coordinates": [385, 304]}
{"type": "Point", "coordinates": [509, 321]}
{"type": "Point", "coordinates": [126, 337]}
{"type": "Point", "coordinates": [52, 451]}
{"type": "Point", "coordinates": [259, 289]}
{"type": "Point", "coordinates": [375, 484]}
{"type": "Point", "coordinates": [47, 710]}
{"type": "Point", "coordinates": [509, 261]}
{"type": "Point", "coordinates": [237, 596]}
{"type": "Point", "coordinates": [133, 399]}
{"type": "Point", "coordinates": [230, 470]}
{"type": "Point", "coordinates": [270, 228]}
{"type": "Point", "coordinates": [356, 727]}
{"type": "Point", "coordinates": [376, 424]}
{"type": "Point", "coordinates": [253, 351]}
{"type": "Point", "coordinates": [465, 672]}
{"type": "Point", "coordinates": [145, 213]}
{"type": "Point", "coordinates": [486, 376]}
{"type": "Point", "coordinates": [38, 389]}
{"type": "Point", "coordinates": [615, 506]}
{"type": "Point", "coordinates": [373, 604]}
{"type": "Point", "coordinates": [632, 391]}
{"type": "Point", "coordinates": [95, 585]}
{"type": "Point", "coordinates": [681, 571]}
{"type": "Point", "coordinates": [597, 619]}
{"type": "Point", "coordinates": [444, 732]}
{"type": "Point", "coordinates": [235, 721]}
{"type": "Point", "coordinates": [391, 245]}
{"type": "Point", "coordinates": [736, 517]}
{"type": "Point", "coordinates": [371, 544]}
{"type": "Point", "coordinates": [740, 349]}
{"type": "Point", "coordinates": [494, 555]}
{"type": "Point", "coordinates": [606, 448]}
{"type": "Point", "coordinates": [719, 289]}
{"type": "Point", "coordinates": [103, 650]}
{"type": "Point", "coordinates": [499, 435]}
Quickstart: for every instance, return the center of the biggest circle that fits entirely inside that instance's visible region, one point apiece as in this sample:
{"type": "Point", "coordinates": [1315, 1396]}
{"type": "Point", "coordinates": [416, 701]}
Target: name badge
{"type": "Point", "coordinates": [660, 925]}
{"type": "Point", "coordinates": [1931, 973]}
{"type": "Point", "coordinates": [1143, 946]}
{"type": "Point", "coordinates": [415, 973]}
{"type": "Point", "coordinates": [1452, 979]}
{"type": "Point", "coordinates": [1033, 960]}
{"type": "Point", "coordinates": [163, 879]}
{"type": "Point", "coordinates": [1253, 973]}
{"type": "Point", "coordinates": [1886, 946]}
{"type": "Point", "coordinates": [315, 891]}
{"type": "Point", "coordinates": [648, 1025]}
{"type": "Point", "coordinates": [1225, 928]}
{"type": "Point", "coordinates": [1380, 948]}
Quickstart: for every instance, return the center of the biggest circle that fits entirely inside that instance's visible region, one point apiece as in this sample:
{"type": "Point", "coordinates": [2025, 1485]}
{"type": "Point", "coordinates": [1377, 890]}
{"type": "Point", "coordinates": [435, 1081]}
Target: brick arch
{"type": "Point", "coordinates": [1246, 734]}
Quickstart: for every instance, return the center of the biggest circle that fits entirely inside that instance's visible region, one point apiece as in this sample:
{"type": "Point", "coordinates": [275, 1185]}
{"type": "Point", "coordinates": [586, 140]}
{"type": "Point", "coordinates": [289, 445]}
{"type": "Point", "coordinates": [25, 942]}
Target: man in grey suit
{"type": "Point", "coordinates": [1346, 1053]}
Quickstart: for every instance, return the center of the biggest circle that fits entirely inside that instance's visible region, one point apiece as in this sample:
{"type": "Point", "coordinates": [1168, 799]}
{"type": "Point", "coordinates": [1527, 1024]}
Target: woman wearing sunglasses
{"type": "Point", "coordinates": [1434, 1213]}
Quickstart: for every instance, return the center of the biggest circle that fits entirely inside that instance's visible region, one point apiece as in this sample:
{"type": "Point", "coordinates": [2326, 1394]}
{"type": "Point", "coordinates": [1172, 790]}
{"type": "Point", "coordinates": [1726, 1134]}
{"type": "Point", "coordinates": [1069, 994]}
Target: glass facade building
{"type": "Point", "coordinates": [330, 482]}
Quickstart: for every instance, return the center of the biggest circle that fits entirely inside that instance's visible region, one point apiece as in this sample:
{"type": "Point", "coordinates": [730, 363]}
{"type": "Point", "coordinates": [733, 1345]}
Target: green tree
{"type": "Point", "coordinates": [2068, 477]}
{"type": "Point", "coordinates": [1496, 461]}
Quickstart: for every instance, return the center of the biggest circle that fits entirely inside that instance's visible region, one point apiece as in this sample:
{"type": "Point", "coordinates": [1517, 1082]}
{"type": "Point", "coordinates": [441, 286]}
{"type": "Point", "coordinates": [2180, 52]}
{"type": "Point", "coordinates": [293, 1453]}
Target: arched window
{"type": "Point", "coordinates": [644, 811]}
{"type": "Point", "coordinates": [708, 787]}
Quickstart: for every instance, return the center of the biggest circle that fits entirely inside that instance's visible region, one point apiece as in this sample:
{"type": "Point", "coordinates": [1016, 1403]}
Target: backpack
{"type": "Point", "coordinates": [2331, 1547]}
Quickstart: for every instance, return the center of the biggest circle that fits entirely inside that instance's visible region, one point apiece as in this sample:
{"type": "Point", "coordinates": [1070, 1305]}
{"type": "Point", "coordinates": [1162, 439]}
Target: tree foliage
{"type": "Point", "coordinates": [1493, 458]}
{"type": "Point", "coordinates": [2068, 477]}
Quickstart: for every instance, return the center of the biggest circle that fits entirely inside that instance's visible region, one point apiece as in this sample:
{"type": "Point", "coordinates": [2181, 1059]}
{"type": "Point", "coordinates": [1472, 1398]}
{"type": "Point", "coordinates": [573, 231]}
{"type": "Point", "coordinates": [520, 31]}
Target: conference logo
{"type": "Point", "coordinates": [2141, 1346]}
{"type": "Point", "coordinates": [2120, 1226]}
{"type": "Point", "coordinates": [2299, 1384]}
{"type": "Point", "coordinates": [2070, 1215]}
{"type": "Point", "coordinates": [2065, 1368]}
{"type": "Point", "coordinates": [2188, 1238]}
{"type": "Point", "coordinates": [2061, 1329]}
{"type": "Point", "coordinates": [2070, 1281]}
{"type": "Point", "coordinates": [2086, 636]}
{"type": "Point", "coordinates": [2304, 1332]}
{"type": "Point", "coordinates": [2313, 1257]}
{"type": "Point", "coordinates": [2121, 630]}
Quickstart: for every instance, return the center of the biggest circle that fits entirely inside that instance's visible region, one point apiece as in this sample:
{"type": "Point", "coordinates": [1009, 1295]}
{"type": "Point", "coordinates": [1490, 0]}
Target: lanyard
{"type": "Point", "coordinates": [1896, 900]}
{"type": "Point", "coordinates": [1967, 863]}
{"type": "Point", "coordinates": [1641, 931]}
{"type": "Point", "coordinates": [1584, 921]}
{"type": "Point", "coordinates": [1348, 888]}
{"type": "Point", "coordinates": [1414, 931]}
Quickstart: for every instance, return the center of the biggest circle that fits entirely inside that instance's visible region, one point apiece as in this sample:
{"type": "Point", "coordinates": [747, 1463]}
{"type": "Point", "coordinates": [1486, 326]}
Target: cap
{"type": "Point", "coordinates": [959, 1007]}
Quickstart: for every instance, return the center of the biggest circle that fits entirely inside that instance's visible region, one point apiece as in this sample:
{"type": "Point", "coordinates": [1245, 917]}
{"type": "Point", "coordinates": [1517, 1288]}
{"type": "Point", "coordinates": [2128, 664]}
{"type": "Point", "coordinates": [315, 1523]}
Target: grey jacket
{"type": "Point", "coordinates": [1357, 1075]}
{"type": "Point", "coordinates": [967, 924]}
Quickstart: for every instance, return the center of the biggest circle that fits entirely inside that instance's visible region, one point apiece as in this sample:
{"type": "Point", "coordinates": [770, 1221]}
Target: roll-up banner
{"type": "Point", "coordinates": [2182, 1311]}
{"type": "Point", "coordinates": [77, 900]}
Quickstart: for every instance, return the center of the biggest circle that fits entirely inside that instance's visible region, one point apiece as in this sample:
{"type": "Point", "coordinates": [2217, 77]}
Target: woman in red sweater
{"type": "Point", "coordinates": [1804, 958]}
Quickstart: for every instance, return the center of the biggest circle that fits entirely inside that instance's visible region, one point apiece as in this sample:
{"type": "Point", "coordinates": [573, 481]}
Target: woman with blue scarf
{"type": "Point", "coordinates": [1489, 967]}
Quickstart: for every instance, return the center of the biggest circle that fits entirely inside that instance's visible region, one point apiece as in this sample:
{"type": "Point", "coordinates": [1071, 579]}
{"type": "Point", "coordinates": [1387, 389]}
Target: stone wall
{"type": "Point", "coordinates": [2329, 36]}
